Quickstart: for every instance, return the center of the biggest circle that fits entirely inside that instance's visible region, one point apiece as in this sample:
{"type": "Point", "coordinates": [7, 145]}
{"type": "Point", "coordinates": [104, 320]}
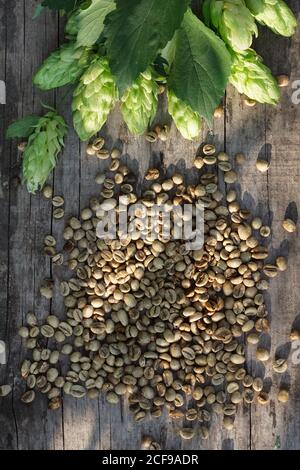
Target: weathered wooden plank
{"type": "Point", "coordinates": [85, 412]}
{"type": "Point", "coordinates": [266, 131]}
{"type": "Point", "coordinates": [28, 218]}
{"type": "Point", "coordinates": [176, 154]}
{"type": "Point", "coordinates": [66, 182]}
{"type": "Point", "coordinates": [248, 139]}
{"type": "Point", "coordinates": [279, 425]}
{"type": "Point", "coordinates": [9, 440]}
{"type": "Point", "coordinates": [4, 182]}
{"type": "Point", "coordinates": [117, 430]}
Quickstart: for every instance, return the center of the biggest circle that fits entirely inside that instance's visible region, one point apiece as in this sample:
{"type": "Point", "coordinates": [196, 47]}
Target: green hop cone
{"type": "Point", "coordinates": [275, 14]}
{"type": "Point", "coordinates": [93, 98]}
{"type": "Point", "coordinates": [233, 21]}
{"type": "Point", "coordinates": [254, 79]}
{"type": "Point", "coordinates": [62, 67]}
{"type": "Point", "coordinates": [42, 149]}
{"type": "Point", "coordinates": [139, 103]}
{"type": "Point", "coordinates": [187, 121]}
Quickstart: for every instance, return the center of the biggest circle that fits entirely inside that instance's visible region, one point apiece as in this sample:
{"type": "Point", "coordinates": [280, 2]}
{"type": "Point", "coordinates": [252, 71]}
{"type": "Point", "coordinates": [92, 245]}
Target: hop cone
{"type": "Point", "coordinates": [250, 76]}
{"type": "Point", "coordinates": [63, 66]}
{"type": "Point", "coordinates": [233, 21]}
{"type": "Point", "coordinates": [43, 146]}
{"type": "Point", "coordinates": [139, 103]}
{"type": "Point", "coordinates": [275, 14]}
{"type": "Point", "coordinates": [93, 99]}
{"type": "Point", "coordinates": [187, 121]}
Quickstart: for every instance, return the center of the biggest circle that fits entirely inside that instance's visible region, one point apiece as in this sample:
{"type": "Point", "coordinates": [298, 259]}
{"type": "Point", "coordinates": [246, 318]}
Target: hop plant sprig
{"type": "Point", "coordinates": [254, 79]}
{"type": "Point", "coordinates": [62, 67]}
{"type": "Point", "coordinates": [232, 20]}
{"type": "Point", "coordinates": [275, 14]}
{"type": "Point", "coordinates": [187, 121]}
{"type": "Point", "coordinates": [93, 98]}
{"type": "Point", "coordinates": [139, 103]}
{"type": "Point", "coordinates": [42, 149]}
{"type": "Point", "coordinates": [120, 47]}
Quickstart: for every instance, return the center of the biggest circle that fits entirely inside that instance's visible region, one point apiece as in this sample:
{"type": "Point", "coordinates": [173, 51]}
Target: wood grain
{"type": "Point", "coordinates": [25, 220]}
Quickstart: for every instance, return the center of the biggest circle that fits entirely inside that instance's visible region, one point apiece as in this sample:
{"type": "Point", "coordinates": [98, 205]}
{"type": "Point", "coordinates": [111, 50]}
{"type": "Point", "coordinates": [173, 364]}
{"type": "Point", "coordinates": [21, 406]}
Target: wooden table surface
{"type": "Point", "coordinates": [273, 132]}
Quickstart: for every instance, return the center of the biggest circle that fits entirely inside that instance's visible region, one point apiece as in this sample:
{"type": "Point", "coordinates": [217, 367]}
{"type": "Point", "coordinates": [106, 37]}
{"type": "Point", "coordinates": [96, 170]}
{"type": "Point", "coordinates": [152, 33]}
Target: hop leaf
{"type": "Point", "coordinates": [201, 67]}
{"type": "Point", "coordinates": [42, 149]}
{"type": "Point", "coordinates": [93, 99]}
{"type": "Point", "coordinates": [187, 121]}
{"type": "Point", "coordinates": [139, 103]}
{"type": "Point", "coordinates": [135, 33]}
{"type": "Point", "coordinates": [275, 14]}
{"type": "Point", "coordinates": [62, 67]}
{"type": "Point", "coordinates": [23, 127]}
{"type": "Point", "coordinates": [91, 21]}
{"type": "Point", "coordinates": [250, 76]}
{"type": "Point", "coordinates": [233, 21]}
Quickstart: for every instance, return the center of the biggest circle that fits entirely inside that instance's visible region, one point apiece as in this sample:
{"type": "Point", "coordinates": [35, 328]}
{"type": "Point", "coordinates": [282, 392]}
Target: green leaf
{"type": "Point", "coordinates": [91, 21]}
{"type": "Point", "coordinates": [201, 67]}
{"type": "Point", "coordinates": [136, 31]}
{"type": "Point", "coordinates": [22, 128]}
{"type": "Point", "coordinates": [67, 5]}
